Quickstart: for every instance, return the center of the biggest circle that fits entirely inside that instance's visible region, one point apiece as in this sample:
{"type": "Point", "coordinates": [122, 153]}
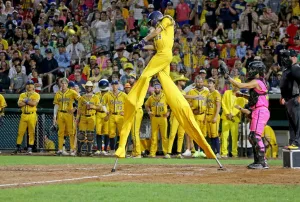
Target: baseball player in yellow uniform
{"type": "Point", "coordinates": [63, 116]}
{"type": "Point", "coordinates": [157, 108]}
{"type": "Point", "coordinates": [230, 120]}
{"type": "Point", "coordinates": [102, 119]}
{"type": "Point", "coordinates": [270, 142]}
{"type": "Point", "coordinates": [115, 100]}
{"type": "Point", "coordinates": [163, 36]}
{"type": "Point", "coordinates": [88, 105]}
{"type": "Point", "coordinates": [213, 117]}
{"type": "Point", "coordinates": [28, 102]}
{"type": "Point", "coordinates": [199, 109]}
{"type": "Point", "coordinates": [2, 106]}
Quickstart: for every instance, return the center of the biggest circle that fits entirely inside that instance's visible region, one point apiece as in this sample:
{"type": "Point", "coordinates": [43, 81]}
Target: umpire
{"type": "Point", "coordinates": [289, 86]}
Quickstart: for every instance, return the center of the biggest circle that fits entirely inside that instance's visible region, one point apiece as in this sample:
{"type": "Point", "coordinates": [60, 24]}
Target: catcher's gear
{"type": "Point", "coordinates": [253, 95]}
{"type": "Point", "coordinates": [54, 129]}
{"type": "Point", "coordinates": [103, 85]}
{"type": "Point", "coordinates": [81, 136]}
{"type": "Point", "coordinates": [90, 136]}
{"type": "Point", "coordinates": [154, 17]}
{"type": "Point", "coordinates": [223, 69]}
{"type": "Point", "coordinates": [140, 45]}
{"type": "Point", "coordinates": [256, 67]}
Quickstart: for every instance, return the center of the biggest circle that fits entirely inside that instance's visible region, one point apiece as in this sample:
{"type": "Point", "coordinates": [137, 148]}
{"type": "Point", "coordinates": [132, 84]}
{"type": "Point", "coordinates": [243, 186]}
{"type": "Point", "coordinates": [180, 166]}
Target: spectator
{"type": "Point", "coordinates": [3, 16]}
{"type": "Point", "coordinates": [18, 81]}
{"type": "Point", "coordinates": [12, 71]}
{"type": "Point", "coordinates": [128, 68]}
{"type": "Point", "coordinates": [211, 17]}
{"type": "Point", "coordinates": [225, 13]}
{"type": "Point", "coordinates": [48, 68]}
{"type": "Point", "coordinates": [63, 59]}
{"type": "Point", "coordinates": [4, 82]}
{"type": "Point", "coordinates": [234, 34]}
{"type": "Point", "coordinates": [267, 56]}
{"type": "Point", "coordinates": [296, 46]}
{"type": "Point", "coordinates": [75, 49]}
{"type": "Point", "coordinates": [260, 47]}
{"type": "Point", "coordinates": [275, 82]}
{"type": "Point", "coordinates": [88, 70]}
{"type": "Point", "coordinates": [38, 84]}
{"type": "Point", "coordinates": [212, 51]}
{"type": "Point", "coordinates": [143, 25]}
{"type": "Point", "coordinates": [239, 6]}
{"type": "Point", "coordinates": [119, 25]}
{"type": "Point", "coordinates": [241, 50]}
{"type": "Point", "coordinates": [267, 20]}
{"type": "Point", "coordinates": [274, 5]}
{"type": "Point", "coordinates": [283, 45]}
{"type": "Point", "coordinates": [228, 51]}
{"type": "Point", "coordinates": [170, 10]}
{"type": "Point", "coordinates": [102, 28]}
{"type": "Point", "coordinates": [182, 13]}
{"type": "Point", "coordinates": [80, 82]}
{"type": "Point", "coordinates": [249, 24]}
{"type": "Point", "coordinates": [57, 85]}
{"type": "Point", "coordinates": [292, 29]}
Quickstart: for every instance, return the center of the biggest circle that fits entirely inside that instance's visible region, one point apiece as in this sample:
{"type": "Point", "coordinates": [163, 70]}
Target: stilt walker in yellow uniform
{"type": "Point", "coordinates": [102, 119]}
{"type": "Point", "coordinates": [199, 109]}
{"type": "Point", "coordinates": [88, 104]}
{"type": "Point", "coordinates": [115, 101]}
{"type": "Point", "coordinates": [64, 116]}
{"type": "Point", "coordinates": [230, 120]}
{"type": "Point", "coordinates": [135, 130]}
{"type": "Point", "coordinates": [163, 36]}
{"type": "Point", "coordinates": [213, 117]}
{"type": "Point", "coordinates": [28, 102]}
{"type": "Point", "coordinates": [157, 108]}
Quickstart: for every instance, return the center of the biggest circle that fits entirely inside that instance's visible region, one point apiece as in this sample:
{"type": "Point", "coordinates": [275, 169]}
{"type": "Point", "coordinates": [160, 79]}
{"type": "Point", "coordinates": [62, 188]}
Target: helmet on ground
{"type": "Point", "coordinates": [154, 17]}
{"type": "Point", "coordinates": [256, 67]}
{"type": "Point", "coordinates": [103, 85]}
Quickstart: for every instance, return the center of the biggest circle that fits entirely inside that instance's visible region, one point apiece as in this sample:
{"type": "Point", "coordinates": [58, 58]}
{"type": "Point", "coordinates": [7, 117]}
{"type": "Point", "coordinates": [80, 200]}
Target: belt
{"type": "Point", "coordinates": [209, 114]}
{"type": "Point", "coordinates": [63, 111]}
{"type": "Point", "coordinates": [200, 113]}
{"type": "Point", "coordinates": [28, 112]}
{"type": "Point", "coordinates": [101, 111]}
{"type": "Point", "coordinates": [158, 116]}
{"type": "Point", "coordinates": [115, 113]}
{"type": "Point", "coordinates": [89, 115]}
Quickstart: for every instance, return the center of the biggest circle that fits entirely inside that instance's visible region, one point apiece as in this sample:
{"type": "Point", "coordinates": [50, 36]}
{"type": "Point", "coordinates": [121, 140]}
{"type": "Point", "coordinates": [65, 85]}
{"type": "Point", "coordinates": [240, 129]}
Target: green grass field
{"type": "Point", "coordinates": [116, 191]}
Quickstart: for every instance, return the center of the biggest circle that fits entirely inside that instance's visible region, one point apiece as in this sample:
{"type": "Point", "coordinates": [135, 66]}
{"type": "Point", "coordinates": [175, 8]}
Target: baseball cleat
{"type": "Point", "coordinates": [218, 155]}
{"type": "Point", "coordinates": [187, 153]}
{"type": "Point", "coordinates": [29, 151]}
{"type": "Point", "coordinates": [137, 157]}
{"type": "Point", "coordinates": [167, 156]}
{"type": "Point", "coordinates": [104, 153]}
{"type": "Point", "coordinates": [202, 154]}
{"type": "Point", "coordinates": [196, 154]}
{"type": "Point", "coordinates": [224, 156]}
{"type": "Point", "coordinates": [293, 147]}
{"type": "Point", "coordinates": [255, 166]}
{"type": "Point", "coordinates": [179, 156]}
{"type": "Point", "coordinates": [64, 153]}
{"type": "Point", "coordinates": [72, 153]}
{"type": "Point", "coordinates": [97, 152]}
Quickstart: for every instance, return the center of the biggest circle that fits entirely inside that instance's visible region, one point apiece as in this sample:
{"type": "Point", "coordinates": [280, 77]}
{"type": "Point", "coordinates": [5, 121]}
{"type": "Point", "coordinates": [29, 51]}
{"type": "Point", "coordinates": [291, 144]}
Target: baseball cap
{"type": "Point", "coordinates": [89, 84]}
{"type": "Point", "coordinates": [132, 75]}
{"type": "Point", "coordinates": [48, 50]}
{"type": "Point", "coordinates": [71, 84]}
{"type": "Point", "coordinates": [123, 59]}
{"type": "Point", "coordinates": [202, 71]}
{"type": "Point", "coordinates": [211, 80]}
{"type": "Point", "coordinates": [128, 66]}
{"type": "Point", "coordinates": [93, 57]}
{"type": "Point", "coordinates": [293, 53]}
{"type": "Point", "coordinates": [29, 82]}
{"type": "Point", "coordinates": [170, 3]}
{"type": "Point", "coordinates": [157, 85]}
{"type": "Point", "coordinates": [60, 45]}
{"type": "Point", "coordinates": [127, 85]}
{"type": "Point", "coordinates": [115, 82]}
{"type": "Point", "coordinates": [150, 6]}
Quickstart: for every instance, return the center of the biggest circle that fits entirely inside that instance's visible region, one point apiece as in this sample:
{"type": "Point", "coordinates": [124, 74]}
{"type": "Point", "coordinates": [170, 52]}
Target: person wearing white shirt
{"type": "Point", "coordinates": [75, 49]}
{"type": "Point", "coordinates": [12, 69]}
{"type": "Point", "coordinates": [234, 33]}
{"type": "Point", "coordinates": [102, 28]}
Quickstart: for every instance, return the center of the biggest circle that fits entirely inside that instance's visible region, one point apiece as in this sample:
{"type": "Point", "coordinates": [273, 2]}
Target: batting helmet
{"type": "Point", "coordinates": [103, 85]}
{"type": "Point", "coordinates": [71, 84]}
{"type": "Point", "coordinates": [154, 17]}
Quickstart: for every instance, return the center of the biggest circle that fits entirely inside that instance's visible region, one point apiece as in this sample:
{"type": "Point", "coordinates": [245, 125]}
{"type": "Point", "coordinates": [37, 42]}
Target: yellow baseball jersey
{"type": "Point", "coordinates": [164, 41]}
{"type": "Point", "coordinates": [2, 104]}
{"type": "Point", "coordinates": [31, 96]}
{"type": "Point", "coordinates": [197, 103]}
{"type": "Point", "coordinates": [157, 104]}
{"type": "Point", "coordinates": [84, 100]}
{"type": "Point", "coordinates": [100, 96]}
{"type": "Point", "coordinates": [65, 100]}
{"type": "Point", "coordinates": [198, 61]}
{"type": "Point", "coordinates": [212, 99]}
{"type": "Point", "coordinates": [115, 103]}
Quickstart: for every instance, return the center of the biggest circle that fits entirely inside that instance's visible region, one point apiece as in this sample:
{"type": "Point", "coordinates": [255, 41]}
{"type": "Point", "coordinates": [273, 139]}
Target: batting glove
{"type": "Point", "coordinates": [140, 45]}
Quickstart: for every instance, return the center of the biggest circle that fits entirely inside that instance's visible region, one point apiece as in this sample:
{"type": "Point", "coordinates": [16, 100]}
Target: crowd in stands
{"type": "Point", "coordinates": [88, 40]}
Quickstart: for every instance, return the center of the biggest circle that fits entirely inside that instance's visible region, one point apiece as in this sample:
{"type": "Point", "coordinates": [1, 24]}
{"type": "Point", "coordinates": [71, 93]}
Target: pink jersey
{"type": "Point", "coordinates": [263, 100]}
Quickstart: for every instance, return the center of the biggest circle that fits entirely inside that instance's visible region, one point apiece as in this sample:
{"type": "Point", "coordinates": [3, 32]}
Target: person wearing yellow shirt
{"type": "Point", "coordinates": [188, 50]}
{"type": "Point", "coordinates": [63, 116]}
{"type": "Point", "coordinates": [2, 106]}
{"type": "Point", "coordinates": [199, 110]}
{"type": "Point", "coordinates": [49, 144]}
{"type": "Point", "coordinates": [3, 42]}
{"type": "Point", "coordinates": [157, 108]}
{"type": "Point", "coordinates": [228, 51]}
{"type": "Point", "coordinates": [88, 105]}
{"type": "Point", "coordinates": [28, 102]}
{"type": "Point", "coordinates": [199, 59]}
{"type": "Point", "coordinates": [115, 100]}
{"type": "Point", "coordinates": [170, 10]}
{"type": "Point", "coordinates": [88, 70]}
{"type": "Point", "coordinates": [212, 116]}
{"type": "Point", "coordinates": [102, 119]}
{"type": "Point", "coordinates": [230, 120]}
{"type": "Point", "coordinates": [270, 142]}
{"type": "Point", "coordinates": [176, 55]}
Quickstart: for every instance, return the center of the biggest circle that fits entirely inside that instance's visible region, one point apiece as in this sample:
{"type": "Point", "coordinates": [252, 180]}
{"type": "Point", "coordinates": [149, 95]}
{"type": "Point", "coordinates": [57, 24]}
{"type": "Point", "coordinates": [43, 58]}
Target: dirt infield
{"type": "Point", "coordinates": [19, 176]}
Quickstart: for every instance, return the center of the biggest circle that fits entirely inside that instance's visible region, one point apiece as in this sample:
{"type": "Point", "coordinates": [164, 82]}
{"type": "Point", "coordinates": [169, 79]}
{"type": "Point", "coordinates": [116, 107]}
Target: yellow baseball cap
{"type": "Point", "coordinates": [132, 75]}
{"type": "Point", "coordinates": [128, 66]}
{"type": "Point", "coordinates": [123, 59]}
{"type": "Point", "coordinates": [93, 57]}
{"type": "Point", "coordinates": [180, 78]}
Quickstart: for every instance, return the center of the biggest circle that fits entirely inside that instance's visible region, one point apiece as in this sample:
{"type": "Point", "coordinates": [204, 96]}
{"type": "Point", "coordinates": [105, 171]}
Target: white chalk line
{"type": "Point", "coordinates": [66, 180]}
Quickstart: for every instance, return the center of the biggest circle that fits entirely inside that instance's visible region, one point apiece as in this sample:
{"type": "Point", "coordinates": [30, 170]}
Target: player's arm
{"type": "Point", "coordinates": [218, 108]}
{"type": "Point", "coordinates": [153, 34]}
{"type": "Point", "coordinates": [243, 110]}
{"type": "Point", "coordinates": [249, 85]}
{"type": "Point", "coordinates": [147, 106]}
{"type": "Point", "coordinates": [21, 102]}
{"type": "Point", "coordinates": [149, 47]}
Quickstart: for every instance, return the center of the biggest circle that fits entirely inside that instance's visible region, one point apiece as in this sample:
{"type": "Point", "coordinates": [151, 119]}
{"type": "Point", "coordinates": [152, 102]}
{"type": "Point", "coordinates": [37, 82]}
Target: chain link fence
{"type": "Point", "coordinates": [9, 130]}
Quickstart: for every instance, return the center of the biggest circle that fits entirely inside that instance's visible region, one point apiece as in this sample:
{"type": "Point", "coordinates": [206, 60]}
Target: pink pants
{"type": "Point", "coordinates": [260, 117]}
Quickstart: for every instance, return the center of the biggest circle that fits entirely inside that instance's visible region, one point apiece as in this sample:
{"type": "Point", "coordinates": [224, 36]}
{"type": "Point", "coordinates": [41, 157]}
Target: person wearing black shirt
{"type": "Point", "coordinates": [48, 64]}
{"type": "Point", "coordinates": [289, 86]}
{"type": "Point", "coordinates": [284, 45]}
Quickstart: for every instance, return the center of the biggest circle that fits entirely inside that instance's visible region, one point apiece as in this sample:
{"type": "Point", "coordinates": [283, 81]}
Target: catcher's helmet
{"type": "Point", "coordinates": [154, 17]}
{"type": "Point", "coordinates": [256, 67]}
{"type": "Point", "coordinates": [103, 85]}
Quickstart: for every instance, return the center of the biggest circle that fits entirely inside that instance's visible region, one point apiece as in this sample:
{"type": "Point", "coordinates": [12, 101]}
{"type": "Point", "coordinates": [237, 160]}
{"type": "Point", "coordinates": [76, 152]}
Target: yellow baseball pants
{"type": "Point", "coordinates": [135, 132]}
{"type": "Point", "coordinates": [233, 128]}
{"type": "Point", "coordinates": [115, 122]}
{"type": "Point", "coordinates": [101, 125]}
{"type": "Point", "coordinates": [66, 127]}
{"type": "Point", "coordinates": [175, 129]}
{"type": "Point", "coordinates": [160, 64]}
{"type": "Point", "coordinates": [87, 123]}
{"type": "Point", "coordinates": [27, 121]}
{"type": "Point", "coordinates": [212, 128]}
{"type": "Point", "coordinates": [159, 124]}
{"type": "Point", "coordinates": [200, 119]}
